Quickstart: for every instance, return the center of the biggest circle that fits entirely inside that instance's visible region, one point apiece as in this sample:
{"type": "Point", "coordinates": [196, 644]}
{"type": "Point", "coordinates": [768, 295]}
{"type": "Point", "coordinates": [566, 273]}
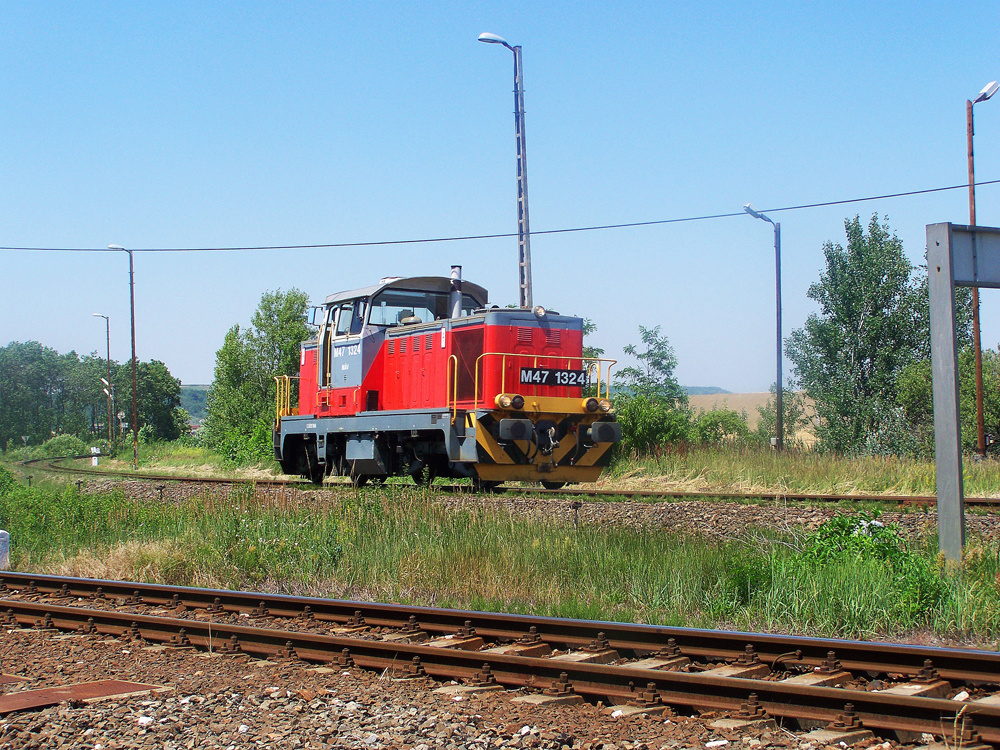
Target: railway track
{"type": "Point", "coordinates": [56, 465]}
{"type": "Point", "coordinates": [893, 690]}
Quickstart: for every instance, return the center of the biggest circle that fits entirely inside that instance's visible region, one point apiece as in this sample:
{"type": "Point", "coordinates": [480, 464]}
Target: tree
{"type": "Point", "coordinates": [654, 377]}
{"type": "Point", "coordinates": [44, 393]}
{"type": "Point", "coordinates": [242, 395]}
{"type": "Point", "coordinates": [873, 322]}
{"type": "Point", "coordinates": [916, 398]}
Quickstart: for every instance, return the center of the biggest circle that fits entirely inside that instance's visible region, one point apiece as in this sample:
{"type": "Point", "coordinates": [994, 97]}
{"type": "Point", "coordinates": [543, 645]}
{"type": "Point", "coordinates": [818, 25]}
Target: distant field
{"type": "Point", "coordinates": [747, 402]}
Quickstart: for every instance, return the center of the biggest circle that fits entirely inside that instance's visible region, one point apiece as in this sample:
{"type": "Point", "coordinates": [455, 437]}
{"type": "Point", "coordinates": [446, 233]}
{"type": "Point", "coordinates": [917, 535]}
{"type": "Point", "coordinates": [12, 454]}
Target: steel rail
{"type": "Point", "coordinates": [50, 464]}
{"type": "Point", "coordinates": [615, 684]}
{"type": "Point", "coordinates": [970, 666]}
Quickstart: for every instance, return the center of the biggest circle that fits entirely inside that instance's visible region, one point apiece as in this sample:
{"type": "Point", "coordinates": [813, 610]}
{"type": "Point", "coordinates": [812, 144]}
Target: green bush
{"type": "Point", "coordinates": [242, 449]}
{"type": "Point", "coordinates": [862, 538]}
{"type": "Point", "coordinates": [6, 481]}
{"type": "Point", "coordinates": [64, 445]}
{"type": "Point", "coordinates": [720, 426]}
{"type": "Point", "coordinates": [649, 422]}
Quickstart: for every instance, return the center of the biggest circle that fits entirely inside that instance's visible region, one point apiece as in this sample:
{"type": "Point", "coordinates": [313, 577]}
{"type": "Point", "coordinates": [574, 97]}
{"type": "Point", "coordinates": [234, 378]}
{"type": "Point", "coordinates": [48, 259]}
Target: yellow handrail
{"type": "Point", "coordinates": [594, 362]}
{"type": "Point", "coordinates": [451, 389]}
{"type": "Point", "coordinates": [283, 398]}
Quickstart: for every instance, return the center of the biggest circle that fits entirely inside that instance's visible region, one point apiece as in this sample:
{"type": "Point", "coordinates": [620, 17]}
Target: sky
{"type": "Point", "coordinates": [237, 124]}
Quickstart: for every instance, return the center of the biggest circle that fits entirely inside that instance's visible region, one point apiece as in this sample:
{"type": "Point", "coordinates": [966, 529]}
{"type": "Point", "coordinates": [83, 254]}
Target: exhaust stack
{"type": "Point", "coordinates": [455, 296]}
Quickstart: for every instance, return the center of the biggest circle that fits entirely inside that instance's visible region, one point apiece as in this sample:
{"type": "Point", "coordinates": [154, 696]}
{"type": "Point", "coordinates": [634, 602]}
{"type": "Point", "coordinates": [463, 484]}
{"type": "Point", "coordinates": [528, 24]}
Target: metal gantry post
{"type": "Point", "coordinates": [944, 381]}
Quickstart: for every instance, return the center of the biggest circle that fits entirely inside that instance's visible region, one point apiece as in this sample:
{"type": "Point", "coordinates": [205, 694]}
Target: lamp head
{"type": "Point", "coordinates": [115, 247]}
{"type": "Point", "coordinates": [98, 315]}
{"type": "Point", "coordinates": [988, 90]}
{"type": "Point", "coordinates": [493, 39]}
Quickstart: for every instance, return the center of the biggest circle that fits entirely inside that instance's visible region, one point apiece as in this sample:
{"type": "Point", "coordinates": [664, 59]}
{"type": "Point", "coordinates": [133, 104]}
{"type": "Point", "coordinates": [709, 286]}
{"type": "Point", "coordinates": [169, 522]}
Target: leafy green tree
{"type": "Point", "coordinates": [159, 395]}
{"type": "Point", "coordinates": [44, 393]}
{"type": "Point", "coordinates": [871, 325]}
{"type": "Point", "coordinates": [242, 395]}
{"type": "Point", "coordinates": [590, 352]}
{"type": "Point", "coordinates": [917, 399]}
{"type": "Point", "coordinates": [654, 376]}
{"type": "Point", "coordinates": [648, 401]}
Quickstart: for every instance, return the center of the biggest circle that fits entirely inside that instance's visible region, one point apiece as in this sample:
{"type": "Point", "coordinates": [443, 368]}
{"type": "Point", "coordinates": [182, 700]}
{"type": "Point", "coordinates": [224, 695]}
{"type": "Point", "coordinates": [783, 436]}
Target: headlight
{"type": "Point", "coordinates": [539, 311]}
{"type": "Point", "coordinates": [508, 401]}
{"type": "Point", "coordinates": [591, 404]}
{"type": "Point", "coordinates": [605, 405]}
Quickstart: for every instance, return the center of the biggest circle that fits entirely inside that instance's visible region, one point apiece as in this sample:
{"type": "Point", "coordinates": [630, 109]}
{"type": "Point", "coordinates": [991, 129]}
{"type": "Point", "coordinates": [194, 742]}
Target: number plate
{"type": "Point", "coordinates": [550, 376]}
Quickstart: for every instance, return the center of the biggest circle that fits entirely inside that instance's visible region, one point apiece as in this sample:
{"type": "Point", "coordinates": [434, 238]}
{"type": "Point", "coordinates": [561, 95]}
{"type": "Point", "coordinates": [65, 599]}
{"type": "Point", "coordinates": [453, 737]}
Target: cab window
{"type": "Point", "coordinates": [351, 318]}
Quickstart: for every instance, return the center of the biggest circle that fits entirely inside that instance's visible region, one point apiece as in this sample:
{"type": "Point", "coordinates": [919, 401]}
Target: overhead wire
{"type": "Point", "coordinates": [464, 238]}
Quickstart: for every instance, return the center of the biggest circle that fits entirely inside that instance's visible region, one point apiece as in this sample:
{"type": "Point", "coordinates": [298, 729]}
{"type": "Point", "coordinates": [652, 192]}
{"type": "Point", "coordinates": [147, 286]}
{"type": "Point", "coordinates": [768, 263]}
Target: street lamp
{"type": "Point", "coordinates": [988, 90]}
{"type": "Point", "coordinates": [135, 404]}
{"type": "Point", "coordinates": [107, 325]}
{"type": "Point", "coordinates": [523, 230]}
{"type": "Point", "coordinates": [780, 444]}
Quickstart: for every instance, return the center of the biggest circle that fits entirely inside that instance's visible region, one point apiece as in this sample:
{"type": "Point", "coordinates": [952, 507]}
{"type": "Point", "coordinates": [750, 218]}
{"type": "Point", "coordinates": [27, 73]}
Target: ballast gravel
{"type": "Point", "coordinates": [236, 703]}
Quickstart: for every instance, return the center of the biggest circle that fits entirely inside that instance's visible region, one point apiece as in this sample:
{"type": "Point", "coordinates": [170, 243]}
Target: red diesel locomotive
{"type": "Point", "coordinates": [420, 376]}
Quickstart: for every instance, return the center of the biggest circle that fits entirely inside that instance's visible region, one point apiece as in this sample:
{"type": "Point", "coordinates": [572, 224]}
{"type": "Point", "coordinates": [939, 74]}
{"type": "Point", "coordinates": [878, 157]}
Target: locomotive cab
{"type": "Point", "coordinates": [420, 376]}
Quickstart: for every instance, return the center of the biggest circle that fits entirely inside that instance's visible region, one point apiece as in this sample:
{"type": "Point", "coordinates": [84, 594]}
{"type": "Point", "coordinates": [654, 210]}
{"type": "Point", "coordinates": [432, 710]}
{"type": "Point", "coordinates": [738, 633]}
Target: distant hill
{"type": "Point", "coordinates": [193, 401]}
{"type": "Point", "coordinates": [702, 390]}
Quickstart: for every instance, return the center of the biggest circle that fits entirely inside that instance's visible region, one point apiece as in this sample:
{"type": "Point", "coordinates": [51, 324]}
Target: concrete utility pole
{"type": "Point", "coordinates": [523, 230]}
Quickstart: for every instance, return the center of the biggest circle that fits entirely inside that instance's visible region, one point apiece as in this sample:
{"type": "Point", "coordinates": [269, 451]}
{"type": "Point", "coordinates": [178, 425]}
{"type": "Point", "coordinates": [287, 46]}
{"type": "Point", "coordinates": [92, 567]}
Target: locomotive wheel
{"type": "Point", "coordinates": [424, 478]}
{"type": "Point", "coordinates": [553, 485]}
{"type": "Point", "coordinates": [482, 485]}
{"type": "Point", "coordinates": [317, 473]}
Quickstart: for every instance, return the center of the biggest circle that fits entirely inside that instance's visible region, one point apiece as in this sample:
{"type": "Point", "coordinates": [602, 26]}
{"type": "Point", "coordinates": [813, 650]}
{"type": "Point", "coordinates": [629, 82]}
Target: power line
{"type": "Point", "coordinates": [463, 238]}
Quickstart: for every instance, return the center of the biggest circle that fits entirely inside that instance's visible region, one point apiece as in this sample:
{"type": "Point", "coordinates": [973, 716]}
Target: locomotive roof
{"type": "Point", "coordinates": [414, 284]}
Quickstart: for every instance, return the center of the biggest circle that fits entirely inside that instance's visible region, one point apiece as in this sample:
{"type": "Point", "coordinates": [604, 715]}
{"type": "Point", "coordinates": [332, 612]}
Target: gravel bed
{"type": "Point", "coordinates": [236, 702]}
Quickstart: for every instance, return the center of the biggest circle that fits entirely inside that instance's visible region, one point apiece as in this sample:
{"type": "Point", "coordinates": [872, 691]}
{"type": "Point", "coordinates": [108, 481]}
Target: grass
{"type": "Point", "coordinates": [399, 544]}
{"type": "Point", "coordinates": [761, 470]}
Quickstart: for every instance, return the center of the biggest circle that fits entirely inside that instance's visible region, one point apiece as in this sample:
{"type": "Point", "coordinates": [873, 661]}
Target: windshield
{"type": "Point", "coordinates": [399, 307]}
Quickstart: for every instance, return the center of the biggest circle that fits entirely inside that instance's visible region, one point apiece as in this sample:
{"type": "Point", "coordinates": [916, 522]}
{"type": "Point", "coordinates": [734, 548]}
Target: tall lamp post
{"type": "Point", "coordinates": [135, 404]}
{"type": "Point", "coordinates": [780, 444]}
{"type": "Point", "coordinates": [107, 325]}
{"type": "Point", "coordinates": [988, 90]}
{"type": "Point", "coordinates": [523, 230]}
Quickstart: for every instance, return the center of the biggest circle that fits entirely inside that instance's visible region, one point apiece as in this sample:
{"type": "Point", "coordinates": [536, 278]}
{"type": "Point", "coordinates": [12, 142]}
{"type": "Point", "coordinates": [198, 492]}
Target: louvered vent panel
{"type": "Point", "coordinates": [392, 346]}
{"type": "Point", "coordinates": [416, 343]}
{"type": "Point", "coordinates": [402, 346]}
{"type": "Point", "coordinates": [553, 336]}
{"type": "Point", "coordinates": [524, 335]}
{"type": "Point", "coordinates": [429, 341]}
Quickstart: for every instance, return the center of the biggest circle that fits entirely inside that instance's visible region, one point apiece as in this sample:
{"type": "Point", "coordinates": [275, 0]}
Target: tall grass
{"type": "Point", "coordinates": [750, 469]}
{"type": "Point", "coordinates": [399, 544]}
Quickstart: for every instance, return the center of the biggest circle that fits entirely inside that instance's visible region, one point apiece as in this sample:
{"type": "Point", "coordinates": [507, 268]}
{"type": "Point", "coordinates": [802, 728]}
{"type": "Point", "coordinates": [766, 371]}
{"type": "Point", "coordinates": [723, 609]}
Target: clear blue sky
{"type": "Point", "coordinates": [227, 124]}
